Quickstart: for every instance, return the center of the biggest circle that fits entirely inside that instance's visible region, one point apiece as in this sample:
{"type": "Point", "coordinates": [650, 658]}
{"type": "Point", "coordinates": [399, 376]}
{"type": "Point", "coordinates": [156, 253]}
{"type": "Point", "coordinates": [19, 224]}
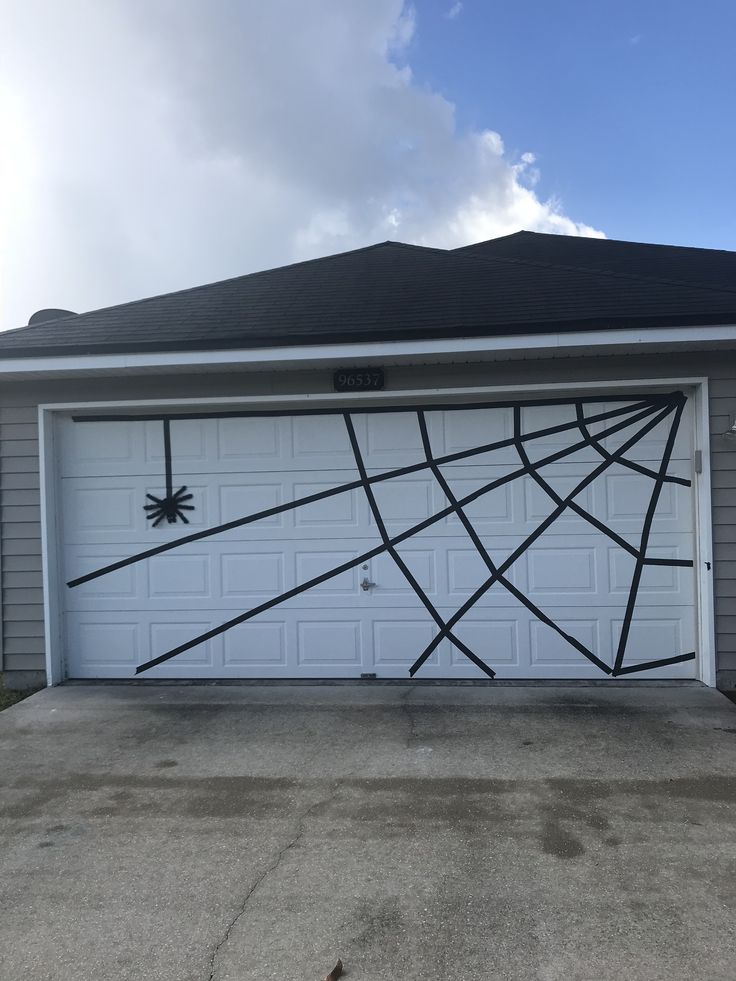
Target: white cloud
{"type": "Point", "coordinates": [454, 10]}
{"type": "Point", "coordinates": [150, 145]}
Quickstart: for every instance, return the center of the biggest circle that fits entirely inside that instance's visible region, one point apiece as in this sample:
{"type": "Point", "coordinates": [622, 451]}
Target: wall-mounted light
{"type": "Point", "coordinates": [731, 433]}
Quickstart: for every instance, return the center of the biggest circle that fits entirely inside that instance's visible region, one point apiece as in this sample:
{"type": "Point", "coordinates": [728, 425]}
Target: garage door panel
{"type": "Point", "coordinates": [317, 439]}
{"type": "Point", "coordinates": [561, 570]}
{"type": "Point", "coordinates": [239, 441]}
{"type": "Point", "coordinates": [189, 442]}
{"type": "Point", "coordinates": [101, 510]}
{"type": "Point", "coordinates": [549, 568]}
{"type": "Point", "coordinates": [329, 643]}
{"type": "Point", "coordinates": [224, 576]}
{"type": "Point", "coordinates": [659, 585]}
{"type": "Point", "coordinates": [628, 496]}
{"type": "Point", "coordinates": [538, 419]}
{"type": "Point", "coordinates": [392, 440]}
{"type": "Point", "coordinates": [398, 642]}
{"type": "Point", "coordinates": [252, 444]}
{"type": "Point", "coordinates": [494, 506]}
{"type": "Point", "coordinates": [458, 431]}
{"type": "Point", "coordinates": [495, 641]}
{"type": "Point", "coordinates": [101, 449]}
{"type": "Point", "coordinates": [256, 645]}
{"type": "Point", "coordinates": [181, 577]}
{"type": "Point", "coordinates": [112, 511]}
{"type": "Point", "coordinates": [103, 645]}
{"type": "Point", "coordinates": [237, 499]}
{"type": "Point", "coordinates": [342, 510]}
{"type": "Point", "coordinates": [124, 584]}
{"type": "Point", "coordinates": [595, 572]}
{"type": "Point", "coordinates": [403, 503]}
{"type": "Point", "coordinates": [421, 562]}
{"type": "Point", "coordinates": [319, 562]}
{"type": "Point", "coordinates": [547, 648]}
{"type": "Point", "coordinates": [466, 572]}
{"type": "Point", "coordinates": [238, 467]}
{"type": "Point", "coordinates": [540, 502]}
{"type": "Point", "coordinates": [164, 636]}
{"type": "Point", "coordinates": [652, 447]}
{"type": "Point", "coordinates": [251, 574]}
{"type": "Point", "coordinates": [653, 636]}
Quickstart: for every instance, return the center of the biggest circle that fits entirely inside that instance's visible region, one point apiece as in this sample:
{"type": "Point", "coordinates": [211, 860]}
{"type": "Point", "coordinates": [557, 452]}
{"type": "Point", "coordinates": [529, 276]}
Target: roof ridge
{"type": "Point", "coordinates": [595, 238]}
{"type": "Point", "coordinates": [502, 238]}
{"type": "Point", "coordinates": [666, 281]}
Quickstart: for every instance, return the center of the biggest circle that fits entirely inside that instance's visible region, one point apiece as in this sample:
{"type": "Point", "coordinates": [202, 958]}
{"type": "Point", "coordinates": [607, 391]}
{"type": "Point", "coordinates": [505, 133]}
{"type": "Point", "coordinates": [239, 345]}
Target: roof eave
{"type": "Point", "coordinates": [461, 347]}
{"type": "Point", "coordinates": [254, 341]}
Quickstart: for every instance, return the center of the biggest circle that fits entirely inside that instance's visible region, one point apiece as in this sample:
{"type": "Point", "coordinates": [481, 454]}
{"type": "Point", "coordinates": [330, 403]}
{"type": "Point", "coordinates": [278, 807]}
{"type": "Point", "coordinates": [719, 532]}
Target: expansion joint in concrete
{"type": "Point", "coordinates": [410, 717]}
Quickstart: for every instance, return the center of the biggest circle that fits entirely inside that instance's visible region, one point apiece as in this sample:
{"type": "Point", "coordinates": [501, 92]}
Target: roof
{"type": "Point", "coordinates": [520, 284]}
{"type": "Point", "coordinates": [705, 267]}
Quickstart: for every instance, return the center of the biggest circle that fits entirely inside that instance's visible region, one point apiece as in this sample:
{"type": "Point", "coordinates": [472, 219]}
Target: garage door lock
{"type": "Point", "coordinates": [366, 584]}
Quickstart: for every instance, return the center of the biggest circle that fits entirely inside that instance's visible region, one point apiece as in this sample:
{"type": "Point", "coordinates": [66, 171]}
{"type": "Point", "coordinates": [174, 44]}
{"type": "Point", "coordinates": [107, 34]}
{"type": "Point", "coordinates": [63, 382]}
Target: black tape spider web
{"type": "Point", "coordinates": [648, 410]}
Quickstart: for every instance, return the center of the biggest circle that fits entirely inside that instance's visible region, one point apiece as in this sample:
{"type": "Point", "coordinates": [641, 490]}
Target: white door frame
{"type": "Point", "coordinates": [48, 450]}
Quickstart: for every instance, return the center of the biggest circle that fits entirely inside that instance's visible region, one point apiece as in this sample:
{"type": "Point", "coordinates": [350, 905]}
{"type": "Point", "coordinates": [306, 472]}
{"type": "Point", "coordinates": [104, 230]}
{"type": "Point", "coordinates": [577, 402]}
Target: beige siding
{"type": "Point", "coordinates": [20, 545]}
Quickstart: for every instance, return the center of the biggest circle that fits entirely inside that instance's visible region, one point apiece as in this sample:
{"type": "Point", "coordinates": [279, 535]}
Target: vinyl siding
{"type": "Point", "coordinates": [21, 638]}
{"type": "Point", "coordinates": [723, 452]}
{"type": "Point", "coordinates": [20, 543]}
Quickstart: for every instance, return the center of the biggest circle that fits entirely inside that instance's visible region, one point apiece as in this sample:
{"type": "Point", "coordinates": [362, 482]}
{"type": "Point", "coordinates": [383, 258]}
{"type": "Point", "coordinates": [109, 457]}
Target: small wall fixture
{"type": "Point", "coordinates": [730, 433]}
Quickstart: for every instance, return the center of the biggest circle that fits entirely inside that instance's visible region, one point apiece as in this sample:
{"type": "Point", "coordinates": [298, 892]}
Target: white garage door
{"type": "Point", "coordinates": [546, 541]}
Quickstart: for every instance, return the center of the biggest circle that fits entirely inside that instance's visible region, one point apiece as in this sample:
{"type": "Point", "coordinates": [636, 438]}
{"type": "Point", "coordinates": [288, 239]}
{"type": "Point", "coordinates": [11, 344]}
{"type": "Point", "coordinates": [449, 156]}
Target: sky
{"type": "Point", "coordinates": [153, 145]}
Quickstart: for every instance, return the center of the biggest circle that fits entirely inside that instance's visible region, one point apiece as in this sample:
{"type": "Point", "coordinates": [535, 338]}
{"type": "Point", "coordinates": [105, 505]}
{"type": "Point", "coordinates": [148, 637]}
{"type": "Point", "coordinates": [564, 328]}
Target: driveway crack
{"type": "Point", "coordinates": [410, 718]}
{"type": "Point", "coordinates": [269, 870]}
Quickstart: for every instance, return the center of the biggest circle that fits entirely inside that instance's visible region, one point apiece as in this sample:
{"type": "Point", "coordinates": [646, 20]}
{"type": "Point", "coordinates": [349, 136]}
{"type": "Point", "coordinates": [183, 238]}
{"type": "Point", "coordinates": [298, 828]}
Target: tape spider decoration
{"type": "Point", "coordinates": [172, 506]}
{"type": "Point", "coordinates": [640, 416]}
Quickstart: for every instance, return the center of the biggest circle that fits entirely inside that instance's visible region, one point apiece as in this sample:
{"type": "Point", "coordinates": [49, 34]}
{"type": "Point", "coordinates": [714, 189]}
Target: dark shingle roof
{"type": "Point", "coordinates": [393, 292]}
{"type": "Point", "coordinates": [706, 267]}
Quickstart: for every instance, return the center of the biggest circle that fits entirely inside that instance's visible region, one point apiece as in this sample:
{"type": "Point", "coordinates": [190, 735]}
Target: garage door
{"type": "Point", "coordinates": [546, 539]}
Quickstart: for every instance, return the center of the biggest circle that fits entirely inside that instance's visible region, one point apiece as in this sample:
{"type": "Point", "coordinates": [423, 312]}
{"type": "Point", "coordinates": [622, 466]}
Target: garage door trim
{"type": "Point", "coordinates": [53, 582]}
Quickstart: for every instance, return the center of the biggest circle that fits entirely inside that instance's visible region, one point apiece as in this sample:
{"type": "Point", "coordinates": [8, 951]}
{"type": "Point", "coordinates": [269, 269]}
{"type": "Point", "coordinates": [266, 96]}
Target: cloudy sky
{"type": "Point", "coordinates": [151, 145]}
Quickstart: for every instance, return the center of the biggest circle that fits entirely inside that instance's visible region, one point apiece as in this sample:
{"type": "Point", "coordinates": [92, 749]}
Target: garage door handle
{"type": "Point", "coordinates": [365, 584]}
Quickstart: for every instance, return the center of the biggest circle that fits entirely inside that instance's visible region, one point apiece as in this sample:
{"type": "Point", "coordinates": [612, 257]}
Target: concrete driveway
{"type": "Point", "coordinates": [197, 833]}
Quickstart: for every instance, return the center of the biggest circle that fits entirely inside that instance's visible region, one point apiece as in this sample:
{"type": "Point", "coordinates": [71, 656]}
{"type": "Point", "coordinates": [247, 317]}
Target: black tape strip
{"type": "Point", "coordinates": [648, 665]}
{"type": "Point", "coordinates": [406, 572]}
{"type": "Point", "coordinates": [473, 599]}
{"type": "Point", "coordinates": [686, 563]}
{"type": "Point", "coordinates": [554, 496]}
{"type": "Point", "coordinates": [483, 552]}
{"type": "Point", "coordinates": [353, 485]}
{"type": "Point", "coordinates": [369, 409]}
{"type": "Point", "coordinates": [167, 457]}
{"type": "Point", "coordinates": [648, 520]}
{"type": "Point", "coordinates": [630, 464]}
{"type": "Point", "coordinates": [345, 566]}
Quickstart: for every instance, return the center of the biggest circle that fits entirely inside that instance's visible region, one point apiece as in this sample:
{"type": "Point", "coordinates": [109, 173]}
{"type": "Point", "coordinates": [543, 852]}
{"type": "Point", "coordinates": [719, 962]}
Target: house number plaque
{"type": "Point", "coordinates": [358, 379]}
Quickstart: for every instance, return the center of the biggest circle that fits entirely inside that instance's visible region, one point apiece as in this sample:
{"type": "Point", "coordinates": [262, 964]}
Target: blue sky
{"type": "Point", "coordinates": [628, 106]}
{"type": "Point", "coordinates": [153, 145]}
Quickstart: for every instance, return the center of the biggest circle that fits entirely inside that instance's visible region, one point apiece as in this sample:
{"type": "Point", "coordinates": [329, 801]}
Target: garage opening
{"type": "Point", "coordinates": [545, 538]}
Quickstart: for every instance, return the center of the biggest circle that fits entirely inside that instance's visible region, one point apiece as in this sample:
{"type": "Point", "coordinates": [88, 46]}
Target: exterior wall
{"type": "Point", "coordinates": [723, 477]}
{"type": "Point", "coordinates": [22, 649]}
